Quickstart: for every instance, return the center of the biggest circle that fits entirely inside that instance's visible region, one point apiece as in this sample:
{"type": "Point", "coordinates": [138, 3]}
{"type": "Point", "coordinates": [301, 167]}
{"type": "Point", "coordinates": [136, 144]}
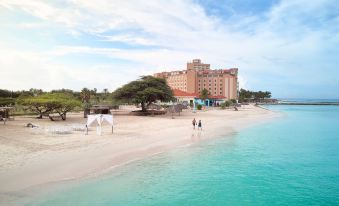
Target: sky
{"type": "Point", "coordinates": [289, 47]}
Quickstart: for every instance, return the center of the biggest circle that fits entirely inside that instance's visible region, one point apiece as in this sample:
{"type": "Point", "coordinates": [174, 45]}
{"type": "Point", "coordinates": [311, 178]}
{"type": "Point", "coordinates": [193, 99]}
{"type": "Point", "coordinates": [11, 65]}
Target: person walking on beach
{"type": "Point", "coordinates": [194, 122]}
{"type": "Point", "coordinates": [200, 125]}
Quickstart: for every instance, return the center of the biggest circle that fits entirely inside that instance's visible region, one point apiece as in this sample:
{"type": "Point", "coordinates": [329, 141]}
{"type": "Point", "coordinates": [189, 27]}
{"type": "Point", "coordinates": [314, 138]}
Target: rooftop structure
{"type": "Point", "coordinates": [197, 65]}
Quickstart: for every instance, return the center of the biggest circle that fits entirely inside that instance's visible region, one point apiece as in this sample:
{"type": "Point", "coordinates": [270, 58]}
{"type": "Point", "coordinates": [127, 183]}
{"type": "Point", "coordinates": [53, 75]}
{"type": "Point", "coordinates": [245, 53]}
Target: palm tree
{"type": "Point", "coordinates": [105, 91]}
{"type": "Point", "coordinates": [85, 95]}
{"type": "Point", "coordinates": [204, 94]}
{"type": "Point", "coordinates": [35, 92]}
{"type": "Point", "coordinates": [95, 97]}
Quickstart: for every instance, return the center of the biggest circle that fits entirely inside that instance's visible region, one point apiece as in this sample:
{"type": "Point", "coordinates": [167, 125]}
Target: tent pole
{"type": "Point", "coordinates": [100, 130]}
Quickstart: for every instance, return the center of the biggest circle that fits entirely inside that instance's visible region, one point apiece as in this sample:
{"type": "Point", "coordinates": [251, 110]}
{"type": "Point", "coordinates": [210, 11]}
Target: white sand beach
{"type": "Point", "coordinates": [29, 158]}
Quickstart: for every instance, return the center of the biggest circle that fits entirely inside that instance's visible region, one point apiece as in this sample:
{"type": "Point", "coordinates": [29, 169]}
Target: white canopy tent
{"type": "Point", "coordinates": [98, 119]}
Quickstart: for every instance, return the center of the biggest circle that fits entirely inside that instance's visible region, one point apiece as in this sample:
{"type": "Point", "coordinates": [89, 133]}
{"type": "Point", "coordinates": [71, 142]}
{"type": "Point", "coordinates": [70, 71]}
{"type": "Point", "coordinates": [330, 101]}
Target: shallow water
{"type": "Point", "coordinates": [293, 160]}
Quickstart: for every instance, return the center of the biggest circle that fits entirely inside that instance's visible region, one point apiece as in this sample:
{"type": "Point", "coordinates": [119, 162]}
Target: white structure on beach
{"type": "Point", "coordinates": [98, 119]}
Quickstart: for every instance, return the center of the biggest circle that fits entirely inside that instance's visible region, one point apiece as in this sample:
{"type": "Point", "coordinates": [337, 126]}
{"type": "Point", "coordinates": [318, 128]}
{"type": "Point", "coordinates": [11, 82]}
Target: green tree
{"type": "Point", "coordinates": [245, 95]}
{"type": "Point", "coordinates": [48, 103]}
{"type": "Point", "coordinates": [5, 93]}
{"type": "Point", "coordinates": [85, 95]}
{"type": "Point", "coordinates": [7, 101]}
{"type": "Point", "coordinates": [228, 103]}
{"type": "Point", "coordinates": [105, 91]}
{"type": "Point", "coordinates": [63, 91]}
{"type": "Point", "coordinates": [233, 101]}
{"type": "Point", "coordinates": [267, 94]}
{"type": "Point", "coordinates": [65, 105]}
{"type": "Point", "coordinates": [35, 92]}
{"type": "Point", "coordinates": [204, 94]}
{"type": "Point", "coordinates": [42, 104]}
{"type": "Point", "coordinates": [144, 91]}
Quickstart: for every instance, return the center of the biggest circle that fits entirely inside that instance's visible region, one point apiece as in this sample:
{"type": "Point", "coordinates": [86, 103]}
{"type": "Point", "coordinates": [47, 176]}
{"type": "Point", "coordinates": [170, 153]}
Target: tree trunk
{"type": "Point", "coordinates": [143, 107]}
{"type": "Point", "coordinates": [40, 112]}
{"type": "Point", "coordinates": [63, 116]}
{"type": "Point", "coordinates": [86, 112]}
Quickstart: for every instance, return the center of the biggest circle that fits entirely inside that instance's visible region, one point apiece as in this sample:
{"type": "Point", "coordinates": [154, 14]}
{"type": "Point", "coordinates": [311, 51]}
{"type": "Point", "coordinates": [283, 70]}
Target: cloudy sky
{"type": "Point", "coordinates": [290, 47]}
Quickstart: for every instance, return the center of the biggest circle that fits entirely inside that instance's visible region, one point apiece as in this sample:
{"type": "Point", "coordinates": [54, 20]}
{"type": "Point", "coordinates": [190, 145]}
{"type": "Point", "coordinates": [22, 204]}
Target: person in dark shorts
{"type": "Point", "coordinates": [199, 125]}
{"type": "Point", "coordinates": [194, 122]}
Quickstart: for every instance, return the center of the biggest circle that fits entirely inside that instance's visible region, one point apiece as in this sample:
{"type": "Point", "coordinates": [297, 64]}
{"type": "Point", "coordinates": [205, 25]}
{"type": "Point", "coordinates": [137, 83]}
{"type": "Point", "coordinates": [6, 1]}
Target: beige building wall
{"type": "Point", "coordinates": [191, 81]}
{"type": "Point", "coordinates": [231, 88]}
{"type": "Point", "coordinates": [198, 76]}
{"type": "Point", "coordinates": [226, 91]}
{"type": "Point", "coordinates": [177, 81]}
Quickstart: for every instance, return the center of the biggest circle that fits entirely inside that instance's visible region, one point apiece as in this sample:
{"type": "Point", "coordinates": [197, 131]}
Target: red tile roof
{"type": "Point", "coordinates": [179, 93]}
{"type": "Point", "coordinates": [216, 97]}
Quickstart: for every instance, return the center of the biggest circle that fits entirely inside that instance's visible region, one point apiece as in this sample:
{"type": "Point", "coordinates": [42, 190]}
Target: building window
{"type": "Point", "coordinates": [209, 80]}
{"type": "Point", "coordinates": [220, 92]}
{"type": "Point", "coordinates": [209, 85]}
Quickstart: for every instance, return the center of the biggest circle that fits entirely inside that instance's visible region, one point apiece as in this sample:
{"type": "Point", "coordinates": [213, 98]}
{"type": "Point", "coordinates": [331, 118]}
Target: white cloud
{"type": "Point", "coordinates": [38, 70]}
{"type": "Point", "coordinates": [291, 38]}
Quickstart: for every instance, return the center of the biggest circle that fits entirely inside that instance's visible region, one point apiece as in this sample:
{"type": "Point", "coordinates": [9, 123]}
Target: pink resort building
{"type": "Point", "coordinates": [222, 84]}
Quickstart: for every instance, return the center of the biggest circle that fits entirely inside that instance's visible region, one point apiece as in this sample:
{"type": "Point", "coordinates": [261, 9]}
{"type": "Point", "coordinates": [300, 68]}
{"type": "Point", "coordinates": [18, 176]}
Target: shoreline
{"type": "Point", "coordinates": [101, 155]}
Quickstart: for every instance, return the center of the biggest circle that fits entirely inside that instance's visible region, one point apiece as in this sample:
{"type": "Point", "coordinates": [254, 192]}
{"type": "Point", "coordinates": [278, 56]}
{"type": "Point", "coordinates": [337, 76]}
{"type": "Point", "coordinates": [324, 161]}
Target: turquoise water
{"type": "Point", "coordinates": [293, 160]}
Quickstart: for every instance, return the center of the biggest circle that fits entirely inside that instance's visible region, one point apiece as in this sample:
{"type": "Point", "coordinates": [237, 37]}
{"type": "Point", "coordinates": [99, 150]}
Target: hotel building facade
{"type": "Point", "coordinates": [220, 83]}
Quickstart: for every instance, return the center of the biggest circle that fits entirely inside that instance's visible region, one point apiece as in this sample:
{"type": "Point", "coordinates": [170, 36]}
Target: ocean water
{"type": "Point", "coordinates": [293, 160]}
{"type": "Point", "coordinates": [305, 100]}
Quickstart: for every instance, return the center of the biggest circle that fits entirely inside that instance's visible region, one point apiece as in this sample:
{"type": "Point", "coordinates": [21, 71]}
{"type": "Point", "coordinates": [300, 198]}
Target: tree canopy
{"type": "Point", "coordinates": [144, 91]}
{"type": "Point", "coordinates": [245, 95]}
{"type": "Point", "coordinates": [45, 104]}
{"type": "Point", "coordinates": [6, 101]}
{"type": "Point", "coordinates": [204, 94]}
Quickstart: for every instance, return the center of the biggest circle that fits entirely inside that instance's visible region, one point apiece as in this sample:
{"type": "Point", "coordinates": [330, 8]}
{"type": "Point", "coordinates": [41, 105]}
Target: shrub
{"type": "Point", "coordinates": [199, 107]}
{"type": "Point", "coordinates": [225, 104]}
{"type": "Point", "coordinates": [222, 105]}
{"type": "Point", "coordinates": [6, 101]}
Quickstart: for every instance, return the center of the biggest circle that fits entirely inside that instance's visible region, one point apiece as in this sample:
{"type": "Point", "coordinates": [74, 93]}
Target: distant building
{"type": "Point", "coordinates": [221, 83]}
